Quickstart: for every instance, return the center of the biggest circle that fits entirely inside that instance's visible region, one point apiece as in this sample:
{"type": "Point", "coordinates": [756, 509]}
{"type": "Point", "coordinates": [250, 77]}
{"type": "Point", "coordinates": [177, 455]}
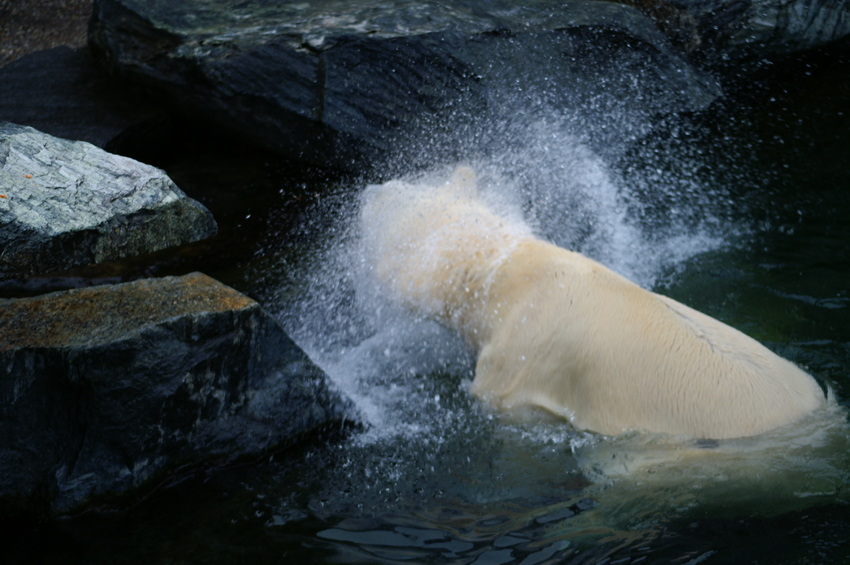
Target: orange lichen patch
{"type": "Point", "coordinates": [96, 315]}
{"type": "Point", "coordinates": [28, 176]}
{"type": "Point", "coordinates": [3, 196]}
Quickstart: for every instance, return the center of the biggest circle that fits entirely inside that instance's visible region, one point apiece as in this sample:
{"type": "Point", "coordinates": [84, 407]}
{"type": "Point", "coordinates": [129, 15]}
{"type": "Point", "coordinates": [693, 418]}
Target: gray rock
{"type": "Point", "coordinates": [733, 29]}
{"type": "Point", "coordinates": [106, 391]}
{"type": "Point", "coordinates": [67, 203]}
{"type": "Point", "coordinates": [335, 80]}
{"type": "Point", "coordinates": [786, 26]}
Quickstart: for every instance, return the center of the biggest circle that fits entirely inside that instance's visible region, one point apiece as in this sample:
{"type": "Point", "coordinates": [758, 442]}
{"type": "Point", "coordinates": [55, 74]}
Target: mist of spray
{"type": "Point", "coordinates": [385, 357]}
{"type": "Point", "coordinates": [641, 206]}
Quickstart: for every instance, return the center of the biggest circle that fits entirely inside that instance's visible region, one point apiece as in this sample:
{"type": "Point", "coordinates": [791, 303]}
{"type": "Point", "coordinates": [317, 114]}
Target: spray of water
{"type": "Point", "coordinates": [430, 450]}
{"type": "Point", "coordinates": [579, 166]}
{"type": "Point", "coordinates": [385, 357]}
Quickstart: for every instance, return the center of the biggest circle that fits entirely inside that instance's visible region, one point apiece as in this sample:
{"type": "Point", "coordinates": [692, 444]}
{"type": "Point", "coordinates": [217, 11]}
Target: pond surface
{"type": "Point", "coordinates": [742, 212]}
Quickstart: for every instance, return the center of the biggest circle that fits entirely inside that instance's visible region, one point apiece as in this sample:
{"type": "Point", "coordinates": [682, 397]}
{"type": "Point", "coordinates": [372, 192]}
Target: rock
{"type": "Point", "coordinates": [63, 93]}
{"type": "Point", "coordinates": [108, 390]}
{"type": "Point", "coordinates": [735, 29]}
{"type": "Point", "coordinates": [338, 81]}
{"type": "Point", "coordinates": [774, 26]}
{"type": "Point", "coordinates": [67, 203]}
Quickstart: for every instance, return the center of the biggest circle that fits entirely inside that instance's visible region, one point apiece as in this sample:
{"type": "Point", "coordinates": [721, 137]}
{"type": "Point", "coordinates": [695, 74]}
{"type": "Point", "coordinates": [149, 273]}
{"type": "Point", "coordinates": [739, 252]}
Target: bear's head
{"type": "Point", "coordinates": [434, 247]}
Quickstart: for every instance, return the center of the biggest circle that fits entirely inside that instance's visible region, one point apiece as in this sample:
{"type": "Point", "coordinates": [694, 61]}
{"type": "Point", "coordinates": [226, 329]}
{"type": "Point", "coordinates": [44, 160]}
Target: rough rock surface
{"type": "Point", "coordinates": [106, 390]}
{"type": "Point", "coordinates": [335, 79]}
{"type": "Point", "coordinates": [750, 28]}
{"type": "Point", "coordinates": [41, 24]}
{"type": "Point", "coordinates": [784, 26]}
{"type": "Point", "coordinates": [67, 203]}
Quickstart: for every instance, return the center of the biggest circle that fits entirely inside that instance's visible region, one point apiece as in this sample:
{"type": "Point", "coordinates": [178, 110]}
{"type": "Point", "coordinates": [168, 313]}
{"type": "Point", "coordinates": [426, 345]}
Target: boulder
{"type": "Point", "coordinates": [108, 390]}
{"type": "Point", "coordinates": [331, 82]}
{"type": "Point", "coordinates": [66, 203]}
{"type": "Point", "coordinates": [749, 29]}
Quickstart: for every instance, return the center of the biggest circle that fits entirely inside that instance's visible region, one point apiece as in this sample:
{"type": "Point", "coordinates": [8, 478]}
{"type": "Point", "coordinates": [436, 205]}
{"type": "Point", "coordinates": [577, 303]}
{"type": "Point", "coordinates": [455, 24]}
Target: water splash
{"type": "Point", "coordinates": [435, 459]}
{"type": "Point", "coordinates": [385, 357]}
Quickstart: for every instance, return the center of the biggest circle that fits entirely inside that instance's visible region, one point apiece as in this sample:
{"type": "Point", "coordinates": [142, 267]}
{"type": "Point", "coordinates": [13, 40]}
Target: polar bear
{"type": "Point", "coordinates": [558, 331]}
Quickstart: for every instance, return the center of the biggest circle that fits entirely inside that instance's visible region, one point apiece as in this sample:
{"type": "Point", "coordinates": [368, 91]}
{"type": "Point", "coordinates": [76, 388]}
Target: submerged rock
{"type": "Point", "coordinates": [104, 391]}
{"type": "Point", "coordinates": [65, 203]}
{"type": "Point", "coordinates": [331, 81]}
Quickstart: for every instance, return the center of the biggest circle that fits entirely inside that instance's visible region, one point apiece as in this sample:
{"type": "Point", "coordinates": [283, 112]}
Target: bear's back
{"type": "Point", "coordinates": [583, 342]}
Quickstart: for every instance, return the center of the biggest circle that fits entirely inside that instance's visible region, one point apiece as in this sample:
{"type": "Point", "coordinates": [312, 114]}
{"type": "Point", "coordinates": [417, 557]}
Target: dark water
{"type": "Point", "coordinates": [742, 212]}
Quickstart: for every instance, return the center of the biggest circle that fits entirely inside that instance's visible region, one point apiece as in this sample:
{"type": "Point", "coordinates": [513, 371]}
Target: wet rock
{"type": "Point", "coordinates": [335, 81]}
{"type": "Point", "coordinates": [107, 390]}
{"type": "Point", "coordinates": [730, 29]}
{"type": "Point", "coordinates": [774, 26]}
{"type": "Point", "coordinates": [67, 203]}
